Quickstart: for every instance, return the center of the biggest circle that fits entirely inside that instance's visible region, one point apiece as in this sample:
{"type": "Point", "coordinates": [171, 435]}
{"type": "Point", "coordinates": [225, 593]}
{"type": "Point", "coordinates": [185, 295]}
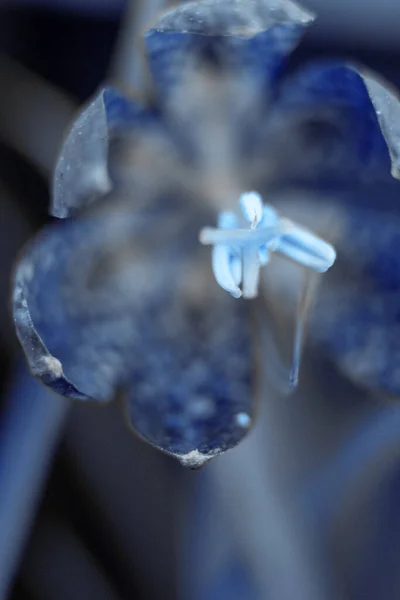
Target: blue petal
{"type": "Point", "coordinates": [82, 173]}
{"type": "Point", "coordinates": [358, 316]}
{"type": "Point", "coordinates": [325, 107]}
{"type": "Point", "coordinates": [258, 59]}
{"type": "Point", "coordinates": [48, 337]}
{"type": "Point", "coordinates": [109, 300]}
{"type": "Point", "coordinates": [387, 105]}
{"type": "Point", "coordinates": [232, 17]}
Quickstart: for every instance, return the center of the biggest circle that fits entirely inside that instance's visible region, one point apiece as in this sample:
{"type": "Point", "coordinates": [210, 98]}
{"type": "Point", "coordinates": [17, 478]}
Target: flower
{"type": "Point", "coordinates": [118, 297]}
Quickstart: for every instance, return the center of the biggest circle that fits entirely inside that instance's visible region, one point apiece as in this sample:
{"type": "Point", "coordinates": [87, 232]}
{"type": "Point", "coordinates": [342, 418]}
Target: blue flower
{"type": "Point", "coordinates": [118, 298]}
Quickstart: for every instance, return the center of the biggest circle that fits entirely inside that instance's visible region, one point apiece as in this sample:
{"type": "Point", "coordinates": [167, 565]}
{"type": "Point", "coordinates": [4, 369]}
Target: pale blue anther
{"type": "Point", "coordinates": [226, 261]}
{"type": "Point", "coordinates": [227, 220]}
{"type": "Point", "coordinates": [269, 219]}
{"type": "Point", "coordinates": [304, 247]}
{"type": "Point", "coordinates": [252, 207]}
{"type": "Point", "coordinates": [239, 253]}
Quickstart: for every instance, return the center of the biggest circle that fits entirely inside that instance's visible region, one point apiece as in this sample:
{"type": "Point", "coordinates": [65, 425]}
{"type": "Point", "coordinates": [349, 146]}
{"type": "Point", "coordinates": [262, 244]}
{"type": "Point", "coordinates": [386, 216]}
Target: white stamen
{"type": "Point", "coordinates": [251, 271]}
{"type": "Point", "coordinates": [239, 254]}
{"type": "Point", "coordinates": [268, 233]}
{"type": "Point", "coordinates": [305, 247]}
{"type": "Point", "coordinates": [238, 237]}
{"type": "Point", "coordinates": [223, 270]}
{"type": "Point", "coordinates": [227, 265]}
{"type": "Point", "coordinates": [307, 295]}
{"type": "Point", "coordinates": [252, 207]}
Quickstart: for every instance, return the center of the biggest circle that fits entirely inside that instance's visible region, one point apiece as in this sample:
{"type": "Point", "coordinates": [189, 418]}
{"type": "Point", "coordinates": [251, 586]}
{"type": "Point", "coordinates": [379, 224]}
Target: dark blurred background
{"type": "Point", "coordinates": [88, 511]}
{"type": "Point", "coordinates": [104, 525]}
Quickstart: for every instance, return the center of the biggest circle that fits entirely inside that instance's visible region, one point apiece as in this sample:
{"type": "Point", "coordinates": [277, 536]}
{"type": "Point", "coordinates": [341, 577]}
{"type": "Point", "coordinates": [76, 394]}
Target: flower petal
{"type": "Point", "coordinates": [246, 37]}
{"type": "Point", "coordinates": [193, 396]}
{"type": "Point", "coordinates": [213, 81]}
{"type": "Point", "coordinates": [387, 107]}
{"type": "Point", "coordinates": [230, 17]}
{"type": "Point", "coordinates": [357, 318]}
{"type": "Point", "coordinates": [324, 130]}
{"type": "Point", "coordinates": [43, 365]}
{"type": "Point", "coordinates": [82, 173]}
{"type": "Point", "coordinates": [122, 305]}
{"type": "Point", "coordinates": [53, 341]}
{"type": "Point", "coordinates": [354, 315]}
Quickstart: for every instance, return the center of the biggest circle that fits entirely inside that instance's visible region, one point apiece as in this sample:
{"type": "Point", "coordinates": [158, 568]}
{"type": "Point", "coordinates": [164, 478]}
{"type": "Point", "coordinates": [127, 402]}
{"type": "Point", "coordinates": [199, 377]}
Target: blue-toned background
{"type": "Point", "coordinates": [306, 507]}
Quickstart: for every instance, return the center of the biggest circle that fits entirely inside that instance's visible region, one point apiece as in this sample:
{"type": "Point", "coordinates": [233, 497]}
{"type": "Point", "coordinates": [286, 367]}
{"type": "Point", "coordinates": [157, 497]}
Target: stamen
{"type": "Point", "coordinates": [263, 254]}
{"type": "Point", "coordinates": [226, 264]}
{"type": "Point", "coordinates": [238, 237]}
{"type": "Point", "coordinates": [306, 298]}
{"type": "Point", "coordinates": [237, 269]}
{"type": "Point", "coordinates": [222, 268]}
{"type": "Point", "coordinates": [239, 254]}
{"type": "Point", "coordinates": [227, 220]}
{"type": "Point", "coordinates": [269, 218]}
{"type": "Point", "coordinates": [305, 247]}
{"type": "Point", "coordinates": [252, 208]}
{"type": "Point", "coordinates": [251, 271]}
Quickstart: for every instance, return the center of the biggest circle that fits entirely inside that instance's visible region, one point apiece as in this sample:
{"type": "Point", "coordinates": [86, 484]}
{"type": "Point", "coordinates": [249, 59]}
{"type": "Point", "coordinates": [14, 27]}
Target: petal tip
{"type": "Point", "coordinates": [194, 460]}
{"type": "Point", "coordinates": [395, 171]}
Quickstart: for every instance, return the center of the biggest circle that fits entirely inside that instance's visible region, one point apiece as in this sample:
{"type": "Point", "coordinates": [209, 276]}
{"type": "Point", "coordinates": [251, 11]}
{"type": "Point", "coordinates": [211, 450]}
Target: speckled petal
{"type": "Point", "coordinates": [324, 130]}
{"type": "Point", "coordinates": [55, 337]}
{"type": "Point", "coordinates": [357, 318]}
{"type": "Point", "coordinates": [341, 160]}
{"type": "Point", "coordinates": [230, 17]}
{"type": "Point", "coordinates": [43, 364]}
{"type": "Point", "coordinates": [120, 305]}
{"type": "Point", "coordinates": [249, 39]}
{"type": "Point", "coordinates": [82, 173]}
{"type": "Point", "coordinates": [193, 395]}
{"type": "Point", "coordinates": [387, 105]}
{"type": "Point", "coordinates": [214, 92]}
{"type": "Point", "coordinates": [354, 315]}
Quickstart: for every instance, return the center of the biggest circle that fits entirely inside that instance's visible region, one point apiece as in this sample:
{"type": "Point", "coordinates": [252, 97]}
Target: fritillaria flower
{"type": "Point", "coordinates": [208, 213]}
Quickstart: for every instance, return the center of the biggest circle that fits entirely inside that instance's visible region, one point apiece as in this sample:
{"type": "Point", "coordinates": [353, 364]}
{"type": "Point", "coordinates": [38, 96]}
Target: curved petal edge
{"type": "Point", "coordinates": [387, 106]}
{"type": "Point", "coordinates": [232, 17]}
{"type": "Point", "coordinates": [43, 365]}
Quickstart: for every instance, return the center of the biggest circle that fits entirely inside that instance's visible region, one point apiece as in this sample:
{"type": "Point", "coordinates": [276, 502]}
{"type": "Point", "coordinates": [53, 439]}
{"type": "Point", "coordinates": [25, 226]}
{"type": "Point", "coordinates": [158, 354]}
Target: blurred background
{"type": "Point", "coordinates": [305, 508]}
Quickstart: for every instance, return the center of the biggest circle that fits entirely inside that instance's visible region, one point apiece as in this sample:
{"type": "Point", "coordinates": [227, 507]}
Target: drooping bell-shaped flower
{"type": "Point", "coordinates": [224, 195]}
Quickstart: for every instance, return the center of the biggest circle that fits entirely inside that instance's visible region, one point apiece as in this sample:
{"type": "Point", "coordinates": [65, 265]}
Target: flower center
{"type": "Point", "coordinates": [239, 252]}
